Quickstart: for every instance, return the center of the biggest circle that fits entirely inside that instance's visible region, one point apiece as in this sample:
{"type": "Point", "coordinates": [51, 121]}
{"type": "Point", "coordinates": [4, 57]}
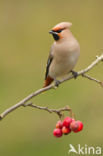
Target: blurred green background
{"type": "Point", "coordinates": [24, 48]}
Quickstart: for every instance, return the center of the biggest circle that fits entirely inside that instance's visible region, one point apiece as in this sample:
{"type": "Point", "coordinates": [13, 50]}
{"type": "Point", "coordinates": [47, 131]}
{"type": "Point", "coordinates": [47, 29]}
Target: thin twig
{"type": "Point", "coordinates": [57, 111]}
{"type": "Point", "coordinates": [52, 86]}
{"type": "Point", "coordinates": [93, 79]}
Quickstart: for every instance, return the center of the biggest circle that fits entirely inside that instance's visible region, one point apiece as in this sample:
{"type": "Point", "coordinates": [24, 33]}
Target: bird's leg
{"type": "Point", "coordinates": [75, 74]}
{"type": "Point", "coordinates": [57, 82]}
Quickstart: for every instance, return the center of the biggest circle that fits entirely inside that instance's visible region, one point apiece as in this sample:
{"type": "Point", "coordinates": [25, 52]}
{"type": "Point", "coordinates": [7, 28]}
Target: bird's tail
{"type": "Point", "coordinates": [48, 81]}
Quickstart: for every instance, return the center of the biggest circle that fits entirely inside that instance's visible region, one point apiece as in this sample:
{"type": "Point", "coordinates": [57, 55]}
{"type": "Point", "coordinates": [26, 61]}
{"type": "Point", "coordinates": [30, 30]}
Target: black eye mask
{"type": "Point", "coordinates": [59, 31]}
{"type": "Point", "coordinates": [55, 34]}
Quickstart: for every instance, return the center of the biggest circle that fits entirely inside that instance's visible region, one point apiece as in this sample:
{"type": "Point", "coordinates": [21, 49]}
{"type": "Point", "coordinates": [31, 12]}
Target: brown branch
{"type": "Point", "coordinates": [93, 79]}
{"type": "Point", "coordinates": [52, 86]}
{"type": "Point", "coordinates": [57, 111]}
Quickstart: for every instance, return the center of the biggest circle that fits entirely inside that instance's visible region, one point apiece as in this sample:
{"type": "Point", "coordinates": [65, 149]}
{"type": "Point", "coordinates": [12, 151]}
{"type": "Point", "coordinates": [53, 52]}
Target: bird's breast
{"type": "Point", "coordinates": [67, 53]}
{"type": "Point", "coordinates": [65, 58]}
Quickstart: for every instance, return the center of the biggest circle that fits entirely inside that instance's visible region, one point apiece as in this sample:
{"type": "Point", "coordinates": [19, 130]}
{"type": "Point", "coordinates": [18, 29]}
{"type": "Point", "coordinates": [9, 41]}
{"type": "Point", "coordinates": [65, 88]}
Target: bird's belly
{"type": "Point", "coordinates": [63, 65]}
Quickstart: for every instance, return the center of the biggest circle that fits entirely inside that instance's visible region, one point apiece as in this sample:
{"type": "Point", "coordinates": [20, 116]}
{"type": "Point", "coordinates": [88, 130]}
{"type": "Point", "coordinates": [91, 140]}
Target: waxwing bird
{"type": "Point", "coordinates": [63, 55]}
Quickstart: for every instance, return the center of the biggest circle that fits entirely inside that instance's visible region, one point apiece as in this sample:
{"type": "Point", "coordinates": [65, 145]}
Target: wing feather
{"type": "Point", "coordinates": [49, 61]}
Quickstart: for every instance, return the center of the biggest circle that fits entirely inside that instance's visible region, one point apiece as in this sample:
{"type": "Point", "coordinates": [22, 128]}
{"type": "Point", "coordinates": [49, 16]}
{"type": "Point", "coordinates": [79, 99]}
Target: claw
{"type": "Point", "coordinates": [57, 82]}
{"type": "Point", "coordinates": [75, 74]}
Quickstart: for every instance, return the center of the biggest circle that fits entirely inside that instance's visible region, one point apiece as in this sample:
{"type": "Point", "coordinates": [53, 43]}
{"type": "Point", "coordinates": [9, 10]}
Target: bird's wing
{"type": "Point", "coordinates": [50, 58]}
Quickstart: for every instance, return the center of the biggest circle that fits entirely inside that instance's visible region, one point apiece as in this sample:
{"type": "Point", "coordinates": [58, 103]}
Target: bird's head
{"type": "Point", "coordinates": [60, 30]}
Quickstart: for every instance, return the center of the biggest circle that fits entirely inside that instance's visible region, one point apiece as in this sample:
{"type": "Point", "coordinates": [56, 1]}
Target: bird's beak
{"type": "Point", "coordinates": [53, 32]}
{"type": "Point", "coordinates": [55, 35]}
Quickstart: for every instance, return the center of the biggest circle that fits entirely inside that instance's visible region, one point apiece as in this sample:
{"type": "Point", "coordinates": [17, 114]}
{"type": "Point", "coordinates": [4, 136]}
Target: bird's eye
{"type": "Point", "coordinates": [59, 31]}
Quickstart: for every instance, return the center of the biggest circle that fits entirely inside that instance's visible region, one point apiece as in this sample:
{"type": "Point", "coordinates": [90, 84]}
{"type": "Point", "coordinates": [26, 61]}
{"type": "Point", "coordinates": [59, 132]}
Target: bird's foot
{"type": "Point", "coordinates": [75, 74]}
{"type": "Point", "coordinates": [57, 83]}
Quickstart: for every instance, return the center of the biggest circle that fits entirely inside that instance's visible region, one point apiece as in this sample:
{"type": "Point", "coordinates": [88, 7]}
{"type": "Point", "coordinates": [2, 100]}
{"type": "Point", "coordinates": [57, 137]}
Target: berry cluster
{"type": "Point", "coordinates": [67, 126]}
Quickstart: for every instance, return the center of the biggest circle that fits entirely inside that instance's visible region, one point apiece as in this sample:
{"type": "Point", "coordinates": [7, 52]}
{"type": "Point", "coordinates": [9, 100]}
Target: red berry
{"type": "Point", "coordinates": [57, 132]}
{"type": "Point", "coordinates": [66, 130]}
{"type": "Point", "coordinates": [76, 126]}
{"type": "Point", "coordinates": [73, 119]}
{"type": "Point", "coordinates": [59, 124]}
{"type": "Point", "coordinates": [67, 121]}
{"type": "Point", "coordinates": [80, 125]}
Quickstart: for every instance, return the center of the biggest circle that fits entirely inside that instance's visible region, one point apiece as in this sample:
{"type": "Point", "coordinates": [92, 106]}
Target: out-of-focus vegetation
{"type": "Point", "coordinates": [24, 48]}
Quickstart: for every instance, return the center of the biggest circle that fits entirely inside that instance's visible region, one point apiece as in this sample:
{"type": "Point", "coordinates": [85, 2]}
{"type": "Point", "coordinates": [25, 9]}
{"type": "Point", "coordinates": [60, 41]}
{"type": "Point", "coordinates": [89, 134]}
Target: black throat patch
{"type": "Point", "coordinates": [56, 37]}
